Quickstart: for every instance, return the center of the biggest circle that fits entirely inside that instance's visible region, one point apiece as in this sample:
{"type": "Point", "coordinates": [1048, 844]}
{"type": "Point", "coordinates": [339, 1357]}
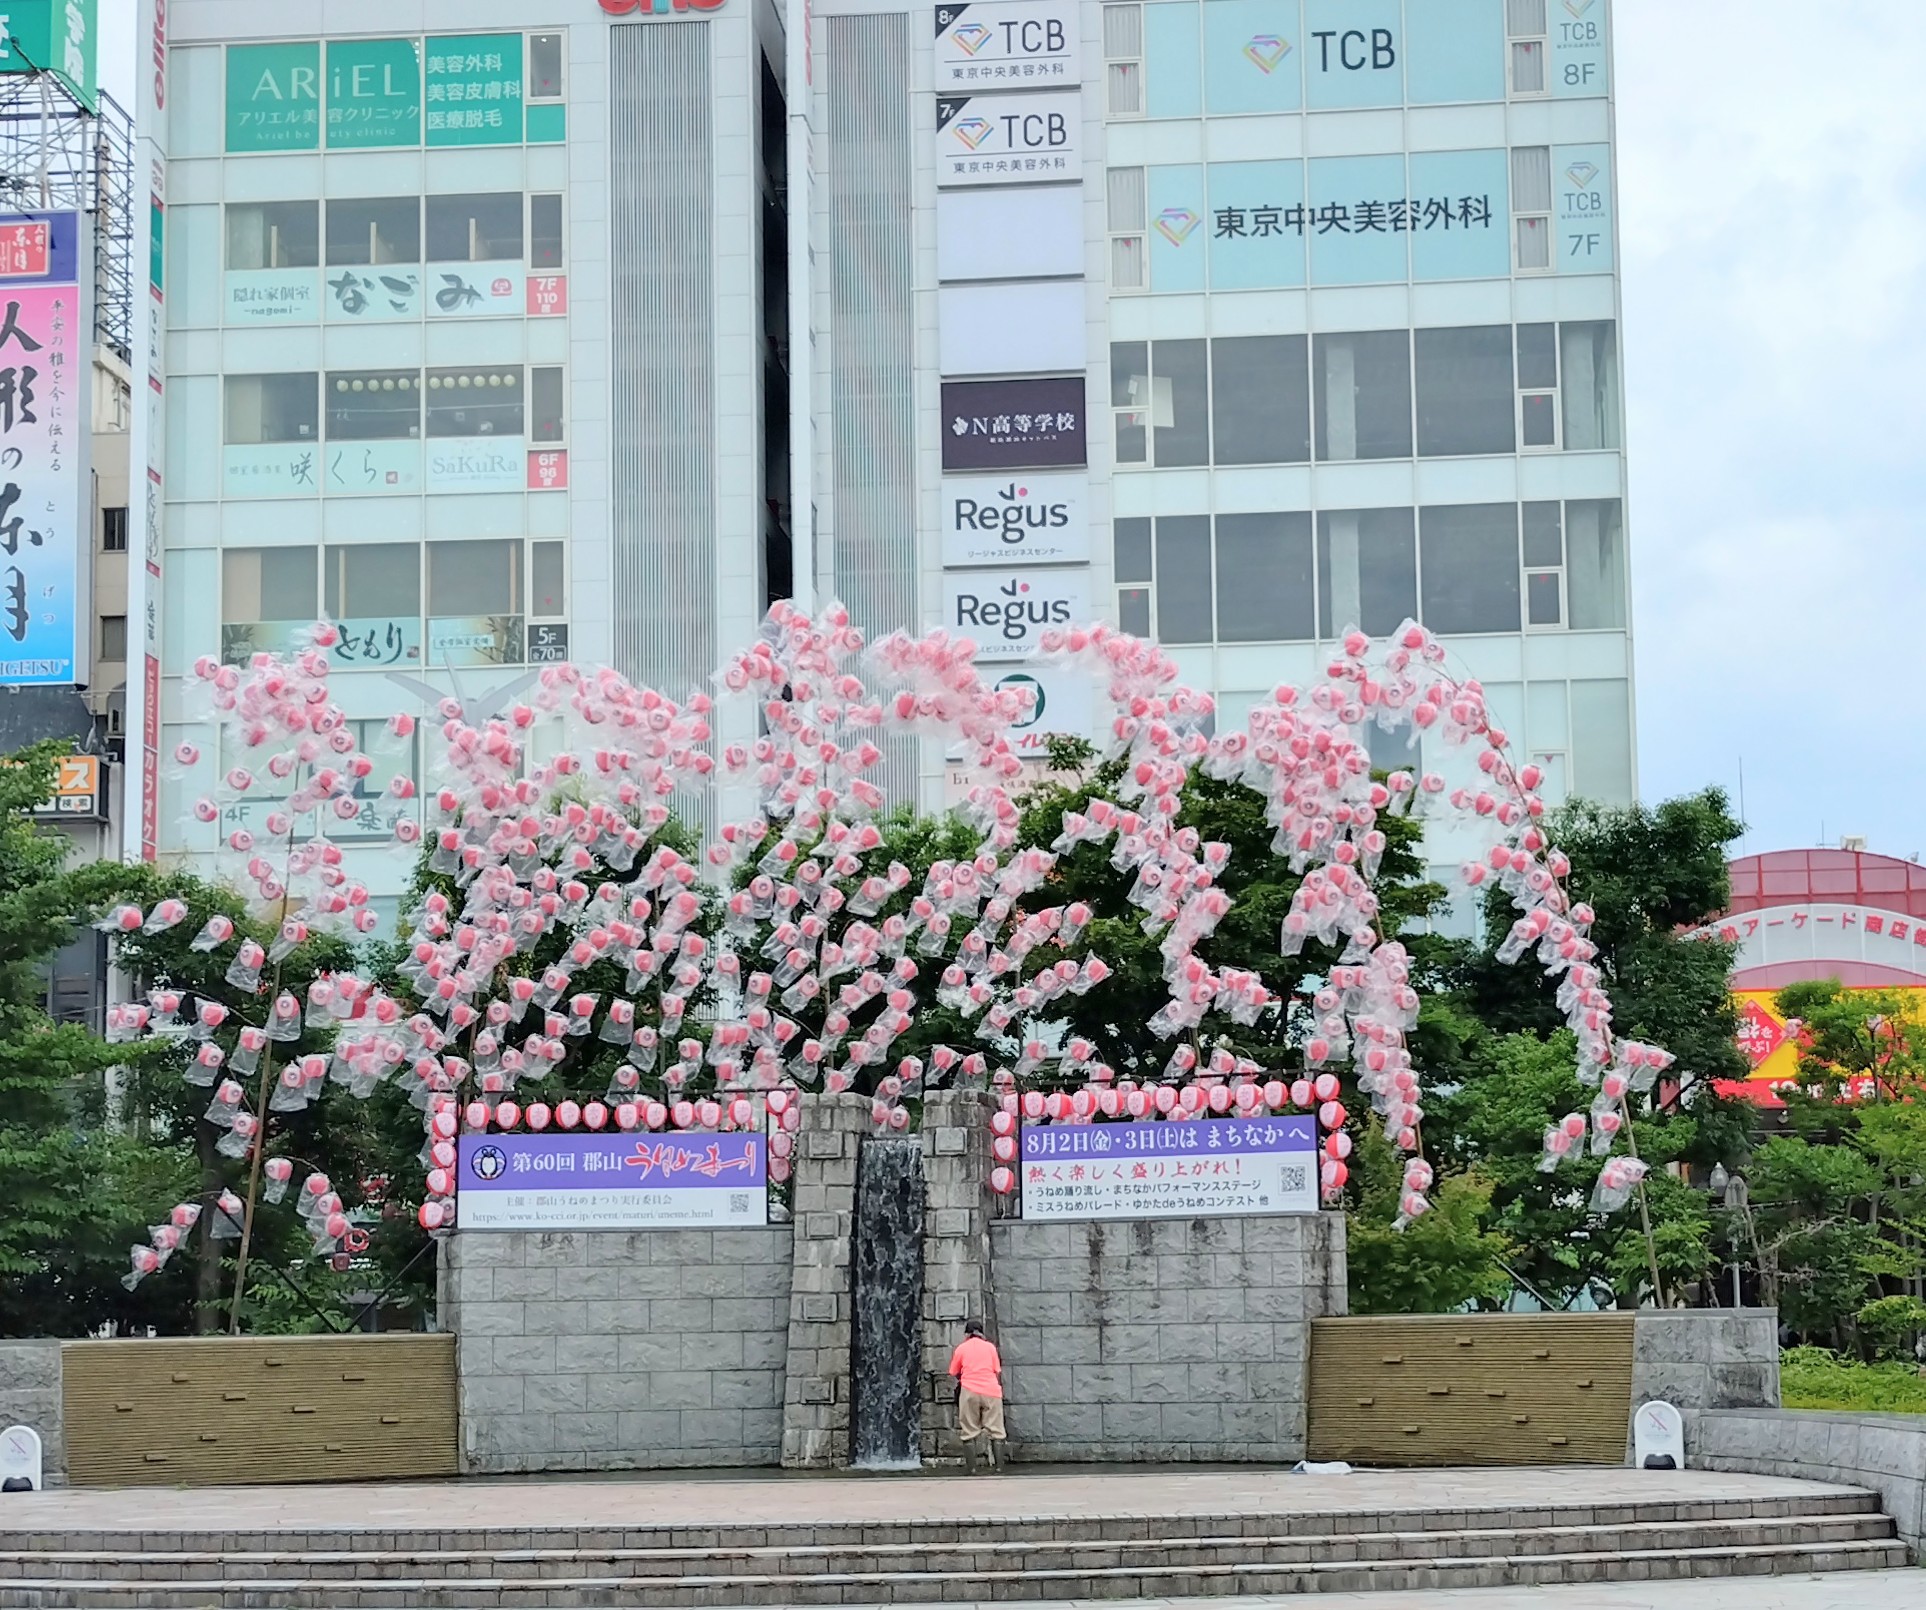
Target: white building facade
{"type": "Point", "coordinates": [502, 332]}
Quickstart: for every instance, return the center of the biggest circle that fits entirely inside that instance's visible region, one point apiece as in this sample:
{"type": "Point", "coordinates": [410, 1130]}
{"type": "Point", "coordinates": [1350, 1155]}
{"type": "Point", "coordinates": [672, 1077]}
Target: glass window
{"type": "Point", "coordinates": [113, 530]}
{"type": "Point", "coordinates": [382, 229]}
{"type": "Point", "coordinates": [474, 578]}
{"type": "Point", "coordinates": [475, 402]}
{"type": "Point", "coordinates": [1537, 356]}
{"type": "Point", "coordinates": [267, 584]}
{"type": "Point", "coordinates": [273, 234]}
{"type": "Point", "coordinates": [1183, 578]}
{"type": "Point", "coordinates": [1466, 396]}
{"type": "Point", "coordinates": [1133, 610]}
{"type": "Point", "coordinates": [544, 67]}
{"type": "Point", "coordinates": [372, 580]}
{"type": "Point", "coordinates": [545, 398]}
{"type": "Point", "coordinates": [1544, 598]}
{"type": "Point", "coordinates": [272, 408]}
{"type": "Point", "coordinates": [1534, 243]}
{"type": "Point", "coordinates": [1268, 592]}
{"type": "Point", "coordinates": [1367, 570]}
{"type": "Point", "coordinates": [1130, 390]}
{"type": "Point", "coordinates": [1260, 398]}
{"type": "Point", "coordinates": [1544, 536]}
{"type": "Point", "coordinates": [1602, 741]}
{"type": "Point", "coordinates": [113, 637]}
{"type": "Point", "coordinates": [1132, 538]}
{"type": "Point", "coordinates": [544, 231]}
{"type": "Point", "coordinates": [381, 406]}
{"type": "Point", "coordinates": [1595, 541]}
{"type": "Point", "coordinates": [1538, 419]}
{"type": "Point", "coordinates": [547, 597]}
{"type": "Point", "coordinates": [1589, 360]}
{"type": "Point", "coordinates": [475, 229]}
{"type": "Point", "coordinates": [1363, 389]}
{"type": "Point", "coordinates": [1470, 567]}
{"type": "Point", "coordinates": [1179, 370]}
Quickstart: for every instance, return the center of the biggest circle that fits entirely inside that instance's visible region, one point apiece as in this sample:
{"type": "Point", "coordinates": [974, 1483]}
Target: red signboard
{"type": "Point", "coordinates": [547, 295]}
{"type": "Point", "coordinates": [25, 249]}
{"type": "Point", "coordinates": [150, 762]}
{"type": "Point", "coordinates": [1760, 1034]}
{"type": "Point", "coordinates": [548, 472]}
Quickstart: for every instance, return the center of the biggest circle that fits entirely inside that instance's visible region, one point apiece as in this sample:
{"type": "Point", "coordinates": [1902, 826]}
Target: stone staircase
{"type": "Point", "coordinates": [858, 1562]}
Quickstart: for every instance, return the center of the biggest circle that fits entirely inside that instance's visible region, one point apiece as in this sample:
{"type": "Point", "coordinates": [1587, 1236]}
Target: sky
{"type": "Point", "coordinates": [1772, 206]}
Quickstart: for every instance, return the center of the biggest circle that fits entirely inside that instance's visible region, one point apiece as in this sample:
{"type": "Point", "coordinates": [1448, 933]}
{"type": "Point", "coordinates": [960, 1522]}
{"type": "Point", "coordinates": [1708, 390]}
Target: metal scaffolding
{"type": "Point", "coordinates": [58, 156]}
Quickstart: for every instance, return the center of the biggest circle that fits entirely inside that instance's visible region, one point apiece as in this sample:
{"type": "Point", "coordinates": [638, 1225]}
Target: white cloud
{"type": "Point", "coordinates": [1773, 190]}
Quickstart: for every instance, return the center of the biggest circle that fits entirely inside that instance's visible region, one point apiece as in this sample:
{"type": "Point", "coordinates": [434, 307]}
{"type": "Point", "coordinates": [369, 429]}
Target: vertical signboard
{"type": "Point", "coordinates": [53, 36]}
{"type": "Point", "coordinates": [141, 820]}
{"type": "Point", "coordinates": [374, 93]}
{"type": "Point", "coordinates": [43, 424]}
{"type": "Point", "coordinates": [273, 96]}
{"type": "Point", "coordinates": [1582, 182]}
{"type": "Point", "coordinates": [1580, 61]}
{"type": "Point", "coordinates": [474, 89]}
{"type": "Point", "coordinates": [1008, 139]}
{"type": "Point", "coordinates": [1009, 44]}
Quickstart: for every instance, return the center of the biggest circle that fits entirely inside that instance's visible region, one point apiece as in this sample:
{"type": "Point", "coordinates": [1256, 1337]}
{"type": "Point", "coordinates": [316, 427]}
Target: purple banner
{"type": "Point", "coordinates": [1013, 424]}
{"type": "Point", "coordinates": [1169, 1168]}
{"type": "Point", "coordinates": [612, 1181]}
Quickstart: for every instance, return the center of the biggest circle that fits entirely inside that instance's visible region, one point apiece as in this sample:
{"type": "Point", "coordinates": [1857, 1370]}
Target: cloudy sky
{"type": "Point", "coordinates": [1773, 205]}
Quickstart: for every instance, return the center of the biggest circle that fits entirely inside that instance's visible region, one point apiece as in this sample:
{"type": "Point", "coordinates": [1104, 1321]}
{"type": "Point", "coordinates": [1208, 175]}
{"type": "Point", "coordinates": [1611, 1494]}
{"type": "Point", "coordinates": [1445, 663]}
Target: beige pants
{"type": "Point", "coordinates": [978, 1416]}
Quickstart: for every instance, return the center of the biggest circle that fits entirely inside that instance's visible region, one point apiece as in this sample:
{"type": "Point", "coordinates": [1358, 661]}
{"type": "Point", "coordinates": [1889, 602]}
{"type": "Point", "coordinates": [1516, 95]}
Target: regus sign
{"type": "Point", "coordinates": [1007, 614]}
{"type": "Point", "coordinates": [1015, 519]}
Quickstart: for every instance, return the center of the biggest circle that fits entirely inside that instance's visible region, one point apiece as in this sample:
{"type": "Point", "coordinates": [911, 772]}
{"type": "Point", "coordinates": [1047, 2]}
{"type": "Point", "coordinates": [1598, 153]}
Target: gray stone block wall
{"type": "Point", "coordinates": [1163, 1340]}
{"type": "Point", "coordinates": [606, 1350]}
{"type": "Point", "coordinates": [956, 1249]}
{"type": "Point", "coordinates": [1885, 1453]}
{"type": "Point", "coordinates": [815, 1418]}
{"type": "Point", "coordinates": [1706, 1358]}
{"type": "Point", "coordinates": [30, 1396]}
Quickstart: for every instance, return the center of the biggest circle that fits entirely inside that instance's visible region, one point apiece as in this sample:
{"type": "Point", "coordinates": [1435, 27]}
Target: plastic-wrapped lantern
{"type": "Point", "coordinates": [1001, 1123]}
{"type": "Point", "coordinates": [1004, 1148]}
{"type": "Point", "coordinates": [538, 1115]}
{"type": "Point", "coordinates": [595, 1115]}
{"type": "Point", "coordinates": [1002, 1181]}
{"type": "Point", "coordinates": [568, 1115]}
{"type": "Point", "coordinates": [443, 1124]}
{"type": "Point", "coordinates": [507, 1115]}
{"type": "Point", "coordinates": [1331, 1115]}
{"type": "Point", "coordinates": [1326, 1086]}
{"type": "Point", "coordinates": [627, 1115]}
{"type": "Point", "coordinates": [476, 1114]}
{"type": "Point", "coordinates": [1301, 1093]}
{"type": "Point", "coordinates": [1033, 1104]}
{"type": "Point", "coordinates": [430, 1216]}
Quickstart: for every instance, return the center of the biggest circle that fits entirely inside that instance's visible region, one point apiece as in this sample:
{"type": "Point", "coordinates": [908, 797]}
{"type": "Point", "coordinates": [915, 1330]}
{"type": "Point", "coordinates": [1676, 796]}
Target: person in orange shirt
{"type": "Point", "coordinates": [978, 1367]}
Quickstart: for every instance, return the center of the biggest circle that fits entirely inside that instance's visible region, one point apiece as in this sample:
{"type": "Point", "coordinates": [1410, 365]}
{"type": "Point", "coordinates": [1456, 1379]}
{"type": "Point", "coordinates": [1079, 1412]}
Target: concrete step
{"type": "Point", "coordinates": [1282, 1546]}
{"type": "Point", "coordinates": [904, 1587]}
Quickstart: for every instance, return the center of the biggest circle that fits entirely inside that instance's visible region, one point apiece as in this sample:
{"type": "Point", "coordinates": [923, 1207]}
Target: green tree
{"type": "Point", "coordinates": [1445, 1260]}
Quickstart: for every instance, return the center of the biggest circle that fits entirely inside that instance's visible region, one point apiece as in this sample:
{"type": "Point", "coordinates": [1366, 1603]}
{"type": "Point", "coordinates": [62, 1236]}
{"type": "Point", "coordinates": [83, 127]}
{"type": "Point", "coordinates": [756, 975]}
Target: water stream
{"type": "Point", "coordinates": [886, 1341]}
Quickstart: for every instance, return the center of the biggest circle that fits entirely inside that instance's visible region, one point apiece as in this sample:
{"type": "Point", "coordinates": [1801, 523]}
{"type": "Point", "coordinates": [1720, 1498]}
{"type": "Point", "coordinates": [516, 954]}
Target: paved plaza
{"type": "Point", "coordinates": [1851, 1590]}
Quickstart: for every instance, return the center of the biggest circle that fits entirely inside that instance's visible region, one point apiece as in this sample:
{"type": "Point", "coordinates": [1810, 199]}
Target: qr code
{"type": "Point", "coordinates": [1293, 1179]}
{"type": "Point", "coordinates": [738, 1201]}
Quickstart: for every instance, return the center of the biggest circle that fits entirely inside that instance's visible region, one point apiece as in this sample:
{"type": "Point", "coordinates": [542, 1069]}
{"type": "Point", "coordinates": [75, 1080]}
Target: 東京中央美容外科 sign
{"type": "Point", "coordinates": [679, 1181]}
{"type": "Point", "coordinates": [1169, 1168]}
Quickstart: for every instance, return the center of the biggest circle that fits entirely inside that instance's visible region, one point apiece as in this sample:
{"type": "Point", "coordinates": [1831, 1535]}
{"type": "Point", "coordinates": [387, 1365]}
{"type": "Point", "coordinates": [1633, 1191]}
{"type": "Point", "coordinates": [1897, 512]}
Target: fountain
{"type": "Point", "coordinates": [887, 1302]}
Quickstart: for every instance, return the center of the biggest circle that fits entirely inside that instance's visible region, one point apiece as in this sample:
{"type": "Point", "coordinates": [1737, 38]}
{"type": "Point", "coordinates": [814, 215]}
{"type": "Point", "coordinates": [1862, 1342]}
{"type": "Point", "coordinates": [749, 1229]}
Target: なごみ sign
{"type": "Point", "coordinates": [685, 1180]}
{"type": "Point", "coordinates": [1162, 1169]}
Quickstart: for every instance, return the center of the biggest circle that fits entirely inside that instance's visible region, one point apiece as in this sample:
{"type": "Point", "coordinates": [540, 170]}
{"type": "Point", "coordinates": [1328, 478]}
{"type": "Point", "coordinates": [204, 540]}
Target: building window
{"type": "Point", "coordinates": [1130, 398]}
{"type": "Point", "coordinates": [1531, 205]}
{"type": "Point", "coordinates": [113, 530]}
{"type": "Point", "coordinates": [1467, 399]}
{"type": "Point", "coordinates": [547, 591]}
{"type": "Point", "coordinates": [545, 67]}
{"type": "Point", "coordinates": [372, 581]}
{"type": "Point", "coordinates": [1525, 24]}
{"type": "Point", "coordinates": [544, 231]}
{"type": "Point", "coordinates": [267, 584]}
{"type": "Point", "coordinates": [1538, 385]}
{"type": "Point", "coordinates": [1544, 546]}
{"type": "Point", "coordinates": [1123, 54]}
{"type": "Point", "coordinates": [1468, 567]}
{"type": "Point", "coordinates": [113, 637]}
{"type": "Point", "coordinates": [548, 421]}
{"type": "Point", "coordinates": [1362, 386]}
{"type": "Point", "coordinates": [1266, 589]}
{"type": "Point", "coordinates": [1260, 394]}
{"type": "Point", "coordinates": [1588, 365]}
{"type": "Point", "coordinates": [273, 234]}
{"type": "Point", "coordinates": [475, 402]}
{"type": "Point", "coordinates": [475, 229]}
{"type": "Point", "coordinates": [1163, 392]}
{"type": "Point", "coordinates": [1367, 570]}
{"type": "Point", "coordinates": [1183, 578]}
{"type": "Point", "coordinates": [374, 407]}
{"type": "Point", "coordinates": [272, 408]}
{"type": "Point", "coordinates": [1595, 564]}
{"type": "Point", "coordinates": [1130, 543]}
{"type": "Point", "coordinates": [381, 229]}
{"type": "Point", "coordinates": [467, 579]}
{"type": "Point", "coordinates": [1125, 210]}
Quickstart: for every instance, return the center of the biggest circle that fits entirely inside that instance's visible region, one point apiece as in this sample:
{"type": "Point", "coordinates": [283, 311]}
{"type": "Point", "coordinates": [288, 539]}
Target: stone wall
{"type": "Point", "coordinates": [1163, 1340]}
{"type": "Point", "coordinates": [815, 1392]}
{"type": "Point", "coordinates": [956, 1249]}
{"type": "Point", "coordinates": [30, 1396]}
{"type": "Point", "coordinates": [1706, 1358]}
{"type": "Point", "coordinates": [606, 1350]}
{"type": "Point", "coordinates": [1885, 1453]}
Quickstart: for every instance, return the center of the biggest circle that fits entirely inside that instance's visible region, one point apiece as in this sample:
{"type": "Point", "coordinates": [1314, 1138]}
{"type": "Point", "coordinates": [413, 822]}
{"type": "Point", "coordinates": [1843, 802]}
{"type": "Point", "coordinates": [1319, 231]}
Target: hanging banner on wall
{"type": "Point", "coordinates": [1008, 614]}
{"type": "Point", "coordinates": [1025, 45]}
{"type": "Point", "coordinates": [42, 398]}
{"type": "Point", "coordinates": [1008, 139]}
{"type": "Point", "coordinates": [612, 1181]}
{"type": "Point", "coordinates": [1015, 520]}
{"type": "Point", "coordinates": [1155, 1169]}
{"type": "Point", "coordinates": [1013, 424]}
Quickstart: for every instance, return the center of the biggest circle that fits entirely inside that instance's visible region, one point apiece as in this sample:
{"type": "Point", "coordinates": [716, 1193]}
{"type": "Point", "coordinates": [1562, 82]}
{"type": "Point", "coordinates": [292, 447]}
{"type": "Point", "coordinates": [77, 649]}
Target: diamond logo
{"type": "Point", "coordinates": [1266, 51]}
{"type": "Point", "coordinates": [972, 131]}
{"type": "Point", "coordinates": [1578, 8]}
{"type": "Point", "coordinates": [971, 37]}
{"type": "Point", "coordinates": [1582, 174]}
{"type": "Point", "coordinates": [1176, 223]}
